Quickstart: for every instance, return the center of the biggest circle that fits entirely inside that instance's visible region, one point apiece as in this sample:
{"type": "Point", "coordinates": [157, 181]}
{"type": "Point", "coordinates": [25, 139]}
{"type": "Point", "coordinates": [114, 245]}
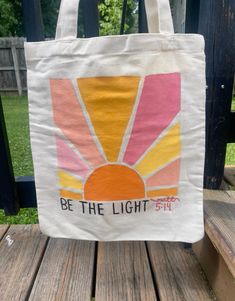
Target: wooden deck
{"type": "Point", "coordinates": [216, 252]}
{"type": "Point", "coordinates": [35, 267]}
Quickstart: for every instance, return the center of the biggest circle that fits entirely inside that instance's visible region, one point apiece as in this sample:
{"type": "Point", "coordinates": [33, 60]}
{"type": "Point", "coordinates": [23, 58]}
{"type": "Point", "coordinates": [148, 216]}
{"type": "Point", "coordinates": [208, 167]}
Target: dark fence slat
{"type": "Point", "coordinates": [8, 196]}
{"type": "Point", "coordinates": [33, 23]}
{"type": "Point", "coordinates": [231, 133]}
{"type": "Point", "coordinates": [90, 17]}
{"type": "Point", "coordinates": [192, 16]}
{"type": "Point", "coordinates": [143, 27]}
{"type": "Point", "coordinates": [26, 191]}
{"type": "Point", "coordinates": [12, 66]}
{"type": "Point", "coordinates": [123, 19]}
{"type": "Point", "coordinates": [216, 23]}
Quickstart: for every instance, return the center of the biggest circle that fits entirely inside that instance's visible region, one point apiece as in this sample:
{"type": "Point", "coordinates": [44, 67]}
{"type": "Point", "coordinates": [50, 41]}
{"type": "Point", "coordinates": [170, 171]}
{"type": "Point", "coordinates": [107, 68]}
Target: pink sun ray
{"type": "Point", "coordinates": [167, 176]}
{"type": "Point", "coordinates": [69, 117]}
{"type": "Point", "coordinates": [69, 160]}
{"type": "Point", "coordinates": [158, 106]}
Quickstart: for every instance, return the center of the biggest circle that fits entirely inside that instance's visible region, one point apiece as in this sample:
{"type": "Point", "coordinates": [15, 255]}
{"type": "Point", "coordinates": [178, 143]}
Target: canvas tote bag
{"type": "Point", "coordinates": [117, 131]}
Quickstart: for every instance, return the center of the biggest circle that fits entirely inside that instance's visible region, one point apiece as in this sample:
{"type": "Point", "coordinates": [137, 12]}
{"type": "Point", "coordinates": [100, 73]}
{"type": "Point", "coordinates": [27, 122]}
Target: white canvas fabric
{"type": "Point", "coordinates": [117, 127]}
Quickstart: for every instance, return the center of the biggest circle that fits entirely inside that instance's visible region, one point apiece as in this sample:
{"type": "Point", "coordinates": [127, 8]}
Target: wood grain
{"type": "Point", "coordinates": [66, 272]}
{"type": "Point", "coordinates": [216, 21]}
{"type": "Point", "coordinates": [225, 185]}
{"type": "Point", "coordinates": [13, 67]}
{"type": "Point", "coordinates": [17, 69]}
{"type": "Point", "coordinates": [229, 174]}
{"type": "Point", "coordinates": [215, 269]}
{"type": "Point", "coordinates": [220, 224]}
{"type": "Point", "coordinates": [178, 273]}
{"type": "Point", "coordinates": [20, 256]}
{"type": "Point", "coordinates": [123, 273]}
{"type": "Point", "coordinates": [3, 229]}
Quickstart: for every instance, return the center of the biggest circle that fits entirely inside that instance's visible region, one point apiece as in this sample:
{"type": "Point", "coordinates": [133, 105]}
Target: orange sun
{"type": "Point", "coordinates": [114, 182]}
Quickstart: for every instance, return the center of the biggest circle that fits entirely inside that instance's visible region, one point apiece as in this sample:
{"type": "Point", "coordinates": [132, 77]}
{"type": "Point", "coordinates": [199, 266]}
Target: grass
{"type": "Point", "coordinates": [17, 123]}
{"type": "Point", "coordinates": [16, 116]}
{"type": "Point", "coordinates": [230, 154]}
{"type": "Point", "coordinates": [233, 104]}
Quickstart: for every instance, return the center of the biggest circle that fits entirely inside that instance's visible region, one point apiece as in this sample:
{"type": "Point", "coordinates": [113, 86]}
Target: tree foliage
{"type": "Point", "coordinates": [50, 9]}
{"type": "Point", "coordinates": [11, 18]}
{"type": "Point", "coordinates": [110, 17]}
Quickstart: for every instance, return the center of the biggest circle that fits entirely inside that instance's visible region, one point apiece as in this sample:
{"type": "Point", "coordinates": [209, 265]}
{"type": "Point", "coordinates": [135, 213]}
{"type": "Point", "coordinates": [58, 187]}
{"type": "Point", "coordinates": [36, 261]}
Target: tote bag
{"type": "Point", "coordinates": [117, 131]}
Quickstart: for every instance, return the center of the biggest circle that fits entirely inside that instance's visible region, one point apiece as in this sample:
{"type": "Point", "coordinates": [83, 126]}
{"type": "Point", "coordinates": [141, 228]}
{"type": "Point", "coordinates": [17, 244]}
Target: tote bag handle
{"type": "Point", "coordinates": [158, 17]}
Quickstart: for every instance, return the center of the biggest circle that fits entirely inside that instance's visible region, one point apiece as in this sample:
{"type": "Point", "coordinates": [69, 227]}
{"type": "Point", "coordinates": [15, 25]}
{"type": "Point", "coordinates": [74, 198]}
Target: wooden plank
{"type": "Point", "coordinates": [229, 174]}
{"type": "Point", "coordinates": [5, 43]}
{"type": "Point", "coordinates": [123, 19]}
{"type": "Point", "coordinates": [178, 273]}
{"type": "Point", "coordinates": [17, 69]}
{"type": "Point", "coordinates": [7, 68]}
{"type": "Point", "coordinates": [90, 18]}
{"type": "Point", "coordinates": [9, 57]}
{"type": "Point", "coordinates": [26, 191]}
{"type": "Point", "coordinates": [11, 89]}
{"type": "Point", "coordinates": [225, 186]}
{"type": "Point", "coordinates": [123, 272]}
{"type": "Point", "coordinates": [66, 272]}
{"type": "Point", "coordinates": [179, 15]}
{"type": "Point", "coordinates": [20, 256]}
{"type": "Point", "coordinates": [215, 269]}
{"type": "Point", "coordinates": [11, 68]}
{"type": "Point", "coordinates": [231, 132]}
{"type": "Point", "coordinates": [8, 201]}
{"type": "Point", "coordinates": [33, 21]}
{"type": "Point", "coordinates": [192, 16]}
{"type": "Point", "coordinates": [142, 18]}
{"type": "Point", "coordinates": [3, 229]}
{"type": "Point", "coordinates": [220, 224]}
{"type": "Point", "coordinates": [220, 62]}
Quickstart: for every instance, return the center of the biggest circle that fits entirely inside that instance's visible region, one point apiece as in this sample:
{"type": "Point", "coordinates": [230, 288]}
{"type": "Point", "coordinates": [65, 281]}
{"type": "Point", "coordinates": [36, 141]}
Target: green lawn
{"type": "Point", "coordinates": [16, 115]}
{"type": "Point", "coordinates": [17, 122]}
{"type": "Point", "coordinates": [233, 104]}
{"type": "Point", "coordinates": [230, 155]}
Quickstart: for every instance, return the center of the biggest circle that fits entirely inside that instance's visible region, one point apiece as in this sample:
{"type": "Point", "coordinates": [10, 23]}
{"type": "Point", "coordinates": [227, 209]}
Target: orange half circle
{"type": "Point", "coordinates": [114, 182]}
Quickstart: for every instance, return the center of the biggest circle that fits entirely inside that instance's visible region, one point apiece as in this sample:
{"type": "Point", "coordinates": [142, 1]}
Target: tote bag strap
{"type": "Point", "coordinates": [158, 17]}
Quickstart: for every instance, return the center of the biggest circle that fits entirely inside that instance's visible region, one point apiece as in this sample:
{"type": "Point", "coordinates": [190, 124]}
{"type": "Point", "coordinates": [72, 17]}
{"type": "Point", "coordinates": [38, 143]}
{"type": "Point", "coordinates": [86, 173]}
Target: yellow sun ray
{"type": "Point", "coordinates": [162, 192]}
{"type": "Point", "coordinates": [68, 181]}
{"type": "Point", "coordinates": [109, 102]}
{"type": "Point", "coordinates": [165, 151]}
{"type": "Point", "coordinates": [70, 195]}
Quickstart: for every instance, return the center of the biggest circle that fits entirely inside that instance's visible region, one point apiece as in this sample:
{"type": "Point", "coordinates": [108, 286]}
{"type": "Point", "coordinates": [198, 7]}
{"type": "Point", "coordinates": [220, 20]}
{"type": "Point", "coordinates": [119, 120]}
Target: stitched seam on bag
{"type": "Point", "coordinates": [116, 53]}
{"type": "Point", "coordinates": [134, 36]}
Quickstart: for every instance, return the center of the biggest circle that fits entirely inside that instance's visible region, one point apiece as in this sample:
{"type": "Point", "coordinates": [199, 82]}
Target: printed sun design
{"type": "Point", "coordinates": [118, 138]}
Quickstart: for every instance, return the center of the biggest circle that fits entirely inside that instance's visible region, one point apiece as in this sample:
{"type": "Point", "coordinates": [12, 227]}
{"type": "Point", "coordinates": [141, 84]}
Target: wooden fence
{"type": "Point", "coordinates": [12, 66]}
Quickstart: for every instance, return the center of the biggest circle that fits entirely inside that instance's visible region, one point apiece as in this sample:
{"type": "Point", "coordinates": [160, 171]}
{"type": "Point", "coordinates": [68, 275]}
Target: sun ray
{"type": "Point", "coordinates": [70, 195]}
{"type": "Point", "coordinates": [69, 160]}
{"type": "Point", "coordinates": [87, 117]}
{"type": "Point", "coordinates": [173, 191]}
{"type": "Point", "coordinates": [131, 123]}
{"type": "Point", "coordinates": [159, 104]}
{"type": "Point", "coordinates": [164, 151]}
{"type": "Point", "coordinates": [169, 175]}
{"type": "Point", "coordinates": [69, 118]}
{"type": "Point", "coordinates": [160, 137]}
{"type": "Point", "coordinates": [66, 180]}
{"type": "Point", "coordinates": [109, 102]}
